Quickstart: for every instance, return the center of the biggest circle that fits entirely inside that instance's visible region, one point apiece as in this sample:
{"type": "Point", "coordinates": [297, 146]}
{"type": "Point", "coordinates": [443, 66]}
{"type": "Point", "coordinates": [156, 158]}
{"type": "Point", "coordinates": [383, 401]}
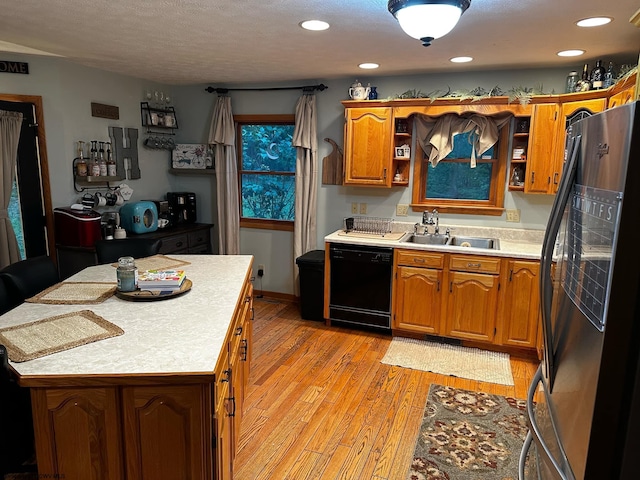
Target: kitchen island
{"type": "Point", "coordinates": [161, 401]}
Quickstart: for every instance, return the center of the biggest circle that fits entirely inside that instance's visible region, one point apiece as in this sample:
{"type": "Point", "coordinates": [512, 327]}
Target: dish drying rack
{"type": "Point", "coordinates": [371, 225]}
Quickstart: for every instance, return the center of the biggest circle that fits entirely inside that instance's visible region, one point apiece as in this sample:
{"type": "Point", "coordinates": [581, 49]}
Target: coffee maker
{"type": "Point", "coordinates": [182, 207]}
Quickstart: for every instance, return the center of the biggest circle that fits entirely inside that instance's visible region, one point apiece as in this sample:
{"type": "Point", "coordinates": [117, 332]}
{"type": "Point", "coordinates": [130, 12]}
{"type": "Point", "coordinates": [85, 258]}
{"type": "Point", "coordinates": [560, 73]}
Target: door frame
{"type": "Point", "coordinates": [44, 164]}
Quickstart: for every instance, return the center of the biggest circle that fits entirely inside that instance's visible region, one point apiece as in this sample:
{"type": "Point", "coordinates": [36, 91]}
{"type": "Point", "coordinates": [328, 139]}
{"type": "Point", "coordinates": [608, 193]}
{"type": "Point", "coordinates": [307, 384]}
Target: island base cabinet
{"type": "Point", "coordinates": [78, 434]}
{"type": "Point", "coordinates": [166, 427]}
{"type": "Point", "coordinates": [164, 434]}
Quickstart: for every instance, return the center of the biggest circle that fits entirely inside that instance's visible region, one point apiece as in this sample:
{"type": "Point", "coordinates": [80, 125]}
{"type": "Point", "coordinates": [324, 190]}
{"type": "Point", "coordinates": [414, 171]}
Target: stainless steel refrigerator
{"type": "Point", "coordinates": [585, 422]}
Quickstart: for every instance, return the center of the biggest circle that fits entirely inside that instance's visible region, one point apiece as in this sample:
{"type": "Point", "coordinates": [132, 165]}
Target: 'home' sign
{"type": "Point", "coordinates": [14, 67]}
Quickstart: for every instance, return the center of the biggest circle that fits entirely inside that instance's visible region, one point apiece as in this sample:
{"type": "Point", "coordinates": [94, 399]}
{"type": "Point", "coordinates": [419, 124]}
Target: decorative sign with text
{"type": "Point", "coordinates": [7, 66]}
{"type": "Point", "coordinates": [105, 111]}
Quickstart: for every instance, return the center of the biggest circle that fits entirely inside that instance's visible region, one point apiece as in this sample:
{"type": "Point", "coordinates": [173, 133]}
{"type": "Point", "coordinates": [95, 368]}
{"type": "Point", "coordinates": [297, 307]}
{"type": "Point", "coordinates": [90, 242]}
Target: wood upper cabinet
{"type": "Point", "coordinates": [541, 152]}
{"type": "Point", "coordinates": [368, 146]}
{"type": "Point", "coordinates": [419, 295]}
{"type": "Point", "coordinates": [519, 315]}
{"type": "Point", "coordinates": [472, 297]}
{"type": "Point", "coordinates": [85, 423]}
{"type": "Point", "coordinates": [167, 427]}
{"type": "Point", "coordinates": [627, 95]}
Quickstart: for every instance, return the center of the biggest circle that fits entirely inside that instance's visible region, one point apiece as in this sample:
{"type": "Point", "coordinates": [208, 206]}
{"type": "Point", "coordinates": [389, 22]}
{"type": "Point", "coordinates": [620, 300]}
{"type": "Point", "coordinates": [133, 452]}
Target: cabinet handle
{"type": "Point", "coordinates": [533, 176]}
{"type": "Point", "coordinates": [419, 260]}
{"type": "Point", "coordinates": [555, 178]}
{"type": "Point", "coordinates": [244, 349]}
{"type": "Point", "coordinates": [438, 286]}
{"type": "Point", "coordinates": [474, 265]}
{"type": "Point", "coordinates": [510, 274]}
{"type": "Point", "coordinates": [252, 313]}
{"type": "Point", "coordinates": [238, 331]}
{"type": "Point", "coordinates": [233, 410]}
{"type": "Point", "coordinates": [384, 174]}
{"type": "Point", "coordinates": [179, 244]}
{"type": "Point", "coordinates": [548, 179]}
{"type": "Point", "coordinates": [228, 375]}
{"type": "Point", "coordinates": [450, 287]}
{"type": "Point", "coordinates": [247, 299]}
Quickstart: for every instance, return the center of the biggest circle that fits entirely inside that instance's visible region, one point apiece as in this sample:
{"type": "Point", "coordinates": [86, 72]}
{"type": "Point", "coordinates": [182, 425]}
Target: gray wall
{"type": "Point", "coordinates": [68, 89]}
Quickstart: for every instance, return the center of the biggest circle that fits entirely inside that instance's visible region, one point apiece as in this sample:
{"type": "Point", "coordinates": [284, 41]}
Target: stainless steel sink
{"type": "Point", "coordinates": [427, 239]}
{"type": "Point", "coordinates": [475, 242]}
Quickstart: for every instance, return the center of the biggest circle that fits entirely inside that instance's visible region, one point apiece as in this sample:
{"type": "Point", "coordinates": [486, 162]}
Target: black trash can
{"type": "Point", "coordinates": [311, 268]}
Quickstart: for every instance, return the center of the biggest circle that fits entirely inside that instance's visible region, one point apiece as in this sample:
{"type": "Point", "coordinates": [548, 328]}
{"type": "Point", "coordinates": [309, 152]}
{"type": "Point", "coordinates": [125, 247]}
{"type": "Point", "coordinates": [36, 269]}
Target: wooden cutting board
{"type": "Point", "coordinates": [332, 165]}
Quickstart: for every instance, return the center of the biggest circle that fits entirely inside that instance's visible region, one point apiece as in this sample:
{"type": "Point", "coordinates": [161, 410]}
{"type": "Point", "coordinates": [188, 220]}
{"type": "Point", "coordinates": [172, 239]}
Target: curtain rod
{"type": "Point", "coordinates": [305, 88]}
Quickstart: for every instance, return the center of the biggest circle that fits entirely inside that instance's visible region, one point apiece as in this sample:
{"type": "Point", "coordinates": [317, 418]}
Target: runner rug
{"type": "Point", "coordinates": [463, 362]}
{"type": "Point", "coordinates": [469, 436]}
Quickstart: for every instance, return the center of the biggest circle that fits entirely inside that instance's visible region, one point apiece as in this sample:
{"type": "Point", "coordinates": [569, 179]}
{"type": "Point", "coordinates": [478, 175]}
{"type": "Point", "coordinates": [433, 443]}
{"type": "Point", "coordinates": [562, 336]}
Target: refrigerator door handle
{"type": "Point", "coordinates": [541, 447]}
{"type": "Point", "coordinates": [548, 246]}
{"type": "Point", "coordinates": [523, 455]}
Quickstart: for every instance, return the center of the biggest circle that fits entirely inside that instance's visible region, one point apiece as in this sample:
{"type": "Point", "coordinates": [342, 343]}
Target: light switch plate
{"type": "Point", "coordinates": [354, 208]}
{"type": "Point", "coordinates": [513, 215]}
{"type": "Point", "coordinates": [402, 210]}
{"type": "Point", "coordinates": [363, 209]}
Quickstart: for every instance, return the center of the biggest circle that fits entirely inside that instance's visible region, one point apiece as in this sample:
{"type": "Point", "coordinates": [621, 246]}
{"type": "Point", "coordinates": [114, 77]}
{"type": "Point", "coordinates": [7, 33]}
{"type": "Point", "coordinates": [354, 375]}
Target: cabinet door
{"type": "Point", "coordinates": [419, 300]}
{"type": "Point", "coordinates": [542, 141]}
{"type": "Point", "coordinates": [571, 112]}
{"type": "Point", "coordinates": [223, 430]}
{"type": "Point", "coordinates": [77, 433]}
{"type": "Point", "coordinates": [472, 306]}
{"type": "Point", "coordinates": [368, 146]}
{"type": "Point", "coordinates": [521, 304]}
{"type": "Point", "coordinates": [622, 98]}
{"type": "Point", "coordinates": [168, 429]}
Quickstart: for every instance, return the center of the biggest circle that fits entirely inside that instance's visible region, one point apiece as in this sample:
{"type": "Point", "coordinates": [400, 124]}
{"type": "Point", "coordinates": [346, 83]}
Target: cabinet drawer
{"type": "Point", "coordinates": [413, 258]}
{"type": "Point", "coordinates": [173, 244]}
{"type": "Point", "coordinates": [472, 263]}
{"type": "Point", "coordinates": [198, 238]}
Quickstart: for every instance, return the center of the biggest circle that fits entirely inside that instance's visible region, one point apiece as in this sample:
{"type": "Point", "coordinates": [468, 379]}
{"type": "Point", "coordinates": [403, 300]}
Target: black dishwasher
{"type": "Point", "coordinates": [360, 290]}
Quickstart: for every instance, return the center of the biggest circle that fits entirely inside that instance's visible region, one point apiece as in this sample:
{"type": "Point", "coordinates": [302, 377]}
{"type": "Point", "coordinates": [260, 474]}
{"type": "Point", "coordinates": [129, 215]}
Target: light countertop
{"type": "Point", "coordinates": [519, 243]}
{"type": "Point", "coordinates": [177, 336]}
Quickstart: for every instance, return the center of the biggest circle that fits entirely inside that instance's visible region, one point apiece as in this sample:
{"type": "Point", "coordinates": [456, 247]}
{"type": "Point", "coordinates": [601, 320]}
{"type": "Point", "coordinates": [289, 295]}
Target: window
{"type": "Point", "coordinates": [266, 171]}
{"type": "Point", "coordinates": [453, 186]}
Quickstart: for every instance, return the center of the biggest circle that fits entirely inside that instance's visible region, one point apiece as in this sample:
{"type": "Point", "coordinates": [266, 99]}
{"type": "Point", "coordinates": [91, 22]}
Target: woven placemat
{"type": "Point", "coordinates": [75, 293]}
{"type": "Point", "coordinates": [55, 334]}
{"type": "Point", "coordinates": [157, 262]}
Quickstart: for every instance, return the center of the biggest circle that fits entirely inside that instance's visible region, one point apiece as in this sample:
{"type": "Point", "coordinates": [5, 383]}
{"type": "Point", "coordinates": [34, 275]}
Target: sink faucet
{"type": "Point", "coordinates": [437, 217]}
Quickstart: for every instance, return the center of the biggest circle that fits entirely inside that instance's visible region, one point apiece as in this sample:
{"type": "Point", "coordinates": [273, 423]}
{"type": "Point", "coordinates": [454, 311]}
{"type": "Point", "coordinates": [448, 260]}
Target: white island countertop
{"type": "Point", "coordinates": [177, 336]}
{"type": "Point", "coordinates": [519, 243]}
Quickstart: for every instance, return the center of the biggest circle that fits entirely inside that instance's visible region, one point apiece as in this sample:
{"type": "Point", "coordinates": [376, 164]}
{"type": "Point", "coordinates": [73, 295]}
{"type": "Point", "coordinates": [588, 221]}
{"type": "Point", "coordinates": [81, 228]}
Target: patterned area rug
{"type": "Point", "coordinates": [469, 436]}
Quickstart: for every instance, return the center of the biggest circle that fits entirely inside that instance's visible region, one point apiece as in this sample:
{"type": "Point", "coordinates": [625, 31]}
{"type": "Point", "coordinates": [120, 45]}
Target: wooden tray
{"type": "Point", "coordinates": [148, 296]}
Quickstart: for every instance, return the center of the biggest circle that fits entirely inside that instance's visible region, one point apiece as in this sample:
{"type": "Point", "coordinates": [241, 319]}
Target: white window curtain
{"type": "Point", "coordinates": [435, 134]}
{"type": "Point", "coordinates": [10, 125]}
{"type": "Point", "coordinates": [222, 136]}
{"type": "Point", "coordinates": [306, 143]}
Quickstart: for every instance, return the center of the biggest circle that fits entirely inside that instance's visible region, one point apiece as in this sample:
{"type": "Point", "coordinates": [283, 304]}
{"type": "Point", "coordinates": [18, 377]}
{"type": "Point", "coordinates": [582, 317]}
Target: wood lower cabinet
{"type": "Point", "coordinates": [419, 296]}
{"type": "Point", "coordinates": [472, 297]}
{"type": "Point", "coordinates": [520, 304]}
{"type": "Point", "coordinates": [368, 146]}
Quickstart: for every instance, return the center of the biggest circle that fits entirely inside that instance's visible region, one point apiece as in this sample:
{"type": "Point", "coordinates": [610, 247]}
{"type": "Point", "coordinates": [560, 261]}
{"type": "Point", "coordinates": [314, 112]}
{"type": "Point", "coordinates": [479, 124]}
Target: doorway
{"type": "Point", "coordinates": [31, 210]}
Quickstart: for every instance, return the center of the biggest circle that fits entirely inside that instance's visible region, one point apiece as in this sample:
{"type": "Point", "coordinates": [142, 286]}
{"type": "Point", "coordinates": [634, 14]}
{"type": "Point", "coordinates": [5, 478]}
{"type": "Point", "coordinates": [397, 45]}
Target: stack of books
{"type": "Point", "coordinates": [161, 280]}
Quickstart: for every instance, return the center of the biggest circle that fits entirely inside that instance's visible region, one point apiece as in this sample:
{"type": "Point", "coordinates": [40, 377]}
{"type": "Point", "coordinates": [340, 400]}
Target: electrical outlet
{"type": "Point", "coordinates": [402, 210]}
{"type": "Point", "coordinates": [354, 208]}
{"type": "Point", "coordinates": [260, 270]}
{"type": "Point", "coordinates": [363, 209]}
{"type": "Point", "coordinates": [513, 215]}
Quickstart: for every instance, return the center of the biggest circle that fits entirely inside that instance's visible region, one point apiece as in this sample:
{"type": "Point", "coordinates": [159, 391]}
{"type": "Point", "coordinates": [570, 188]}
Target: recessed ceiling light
{"type": "Point", "coordinates": [368, 66]}
{"type": "Point", "coordinates": [570, 53]}
{"type": "Point", "coordinates": [594, 21]}
{"type": "Point", "coordinates": [461, 59]}
{"type": "Point", "coordinates": [315, 25]}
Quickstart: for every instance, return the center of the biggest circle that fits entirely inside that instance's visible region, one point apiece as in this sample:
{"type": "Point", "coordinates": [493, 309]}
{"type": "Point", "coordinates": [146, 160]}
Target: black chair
{"type": "Point", "coordinates": [108, 251]}
{"type": "Point", "coordinates": [28, 277]}
{"type": "Point", "coordinates": [17, 449]}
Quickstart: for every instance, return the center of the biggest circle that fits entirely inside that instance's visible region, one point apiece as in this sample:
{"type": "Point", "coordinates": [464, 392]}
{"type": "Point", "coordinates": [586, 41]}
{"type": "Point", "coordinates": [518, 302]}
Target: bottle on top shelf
{"type": "Point", "coordinates": [597, 76]}
{"type": "Point", "coordinates": [584, 85]}
{"type": "Point", "coordinates": [111, 164]}
{"type": "Point", "coordinates": [81, 164]}
{"type": "Point", "coordinates": [609, 77]}
{"type": "Point", "coordinates": [572, 82]}
{"type": "Point", "coordinates": [102, 163]}
{"type": "Point", "coordinates": [93, 163]}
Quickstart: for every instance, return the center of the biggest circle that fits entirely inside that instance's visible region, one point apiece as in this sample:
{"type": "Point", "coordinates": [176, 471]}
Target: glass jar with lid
{"type": "Point", "coordinates": [127, 274]}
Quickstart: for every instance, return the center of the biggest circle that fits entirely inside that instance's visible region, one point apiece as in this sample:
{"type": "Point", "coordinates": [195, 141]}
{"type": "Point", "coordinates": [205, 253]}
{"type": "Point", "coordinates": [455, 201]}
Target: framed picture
{"type": "Point", "coordinates": [403, 152]}
{"type": "Point", "coordinates": [190, 155]}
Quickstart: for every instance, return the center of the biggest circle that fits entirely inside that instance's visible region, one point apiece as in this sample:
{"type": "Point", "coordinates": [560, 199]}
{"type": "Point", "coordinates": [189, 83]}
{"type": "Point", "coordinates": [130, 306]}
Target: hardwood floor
{"type": "Point", "coordinates": [320, 405]}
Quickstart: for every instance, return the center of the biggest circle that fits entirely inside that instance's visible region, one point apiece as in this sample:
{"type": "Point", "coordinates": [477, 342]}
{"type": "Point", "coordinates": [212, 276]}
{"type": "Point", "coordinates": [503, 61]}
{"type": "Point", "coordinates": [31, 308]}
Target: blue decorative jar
{"type": "Point", "coordinates": [373, 93]}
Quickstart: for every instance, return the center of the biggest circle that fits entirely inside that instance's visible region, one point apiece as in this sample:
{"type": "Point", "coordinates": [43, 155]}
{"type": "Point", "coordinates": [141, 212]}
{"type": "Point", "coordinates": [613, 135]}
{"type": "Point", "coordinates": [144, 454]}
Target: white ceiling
{"type": "Point", "coordinates": [222, 42]}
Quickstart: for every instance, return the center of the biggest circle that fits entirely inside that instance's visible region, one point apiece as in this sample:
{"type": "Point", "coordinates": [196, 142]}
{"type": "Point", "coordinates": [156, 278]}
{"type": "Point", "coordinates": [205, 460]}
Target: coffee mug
{"type": "Point", "coordinates": [112, 198]}
{"type": "Point", "coordinates": [169, 120]}
{"type": "Point", "coordinates": [119, 199]}
{"type": "Point", "coordinates": [162, 222]}
{"type": "Point", "coordinates": [88, 200]}
{"type": "Point", "coordinates": [100, 201]}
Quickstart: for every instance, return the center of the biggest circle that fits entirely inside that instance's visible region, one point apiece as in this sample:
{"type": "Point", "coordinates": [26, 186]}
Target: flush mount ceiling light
{"type": "Point", "coordinates": [368, 66]}
{"type": "Point", "coordinates": [570, 53]}
{"type": "Point", "coordinates": [461, 59]}
{"type": "Point", "coordinates": [315, 25]}
{"type": "Point", "coordinates": [593, 21]}
{"type": "Point", "coordinates": [427, 20]}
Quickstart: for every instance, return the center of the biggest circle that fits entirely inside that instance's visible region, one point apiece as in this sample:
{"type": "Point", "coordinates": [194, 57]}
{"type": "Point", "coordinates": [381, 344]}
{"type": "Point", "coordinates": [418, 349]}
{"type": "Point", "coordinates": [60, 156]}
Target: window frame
{"type": "Point", "coordinates": [493, 206]}
{"type": "Point", "coordinates": [240, 120]}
